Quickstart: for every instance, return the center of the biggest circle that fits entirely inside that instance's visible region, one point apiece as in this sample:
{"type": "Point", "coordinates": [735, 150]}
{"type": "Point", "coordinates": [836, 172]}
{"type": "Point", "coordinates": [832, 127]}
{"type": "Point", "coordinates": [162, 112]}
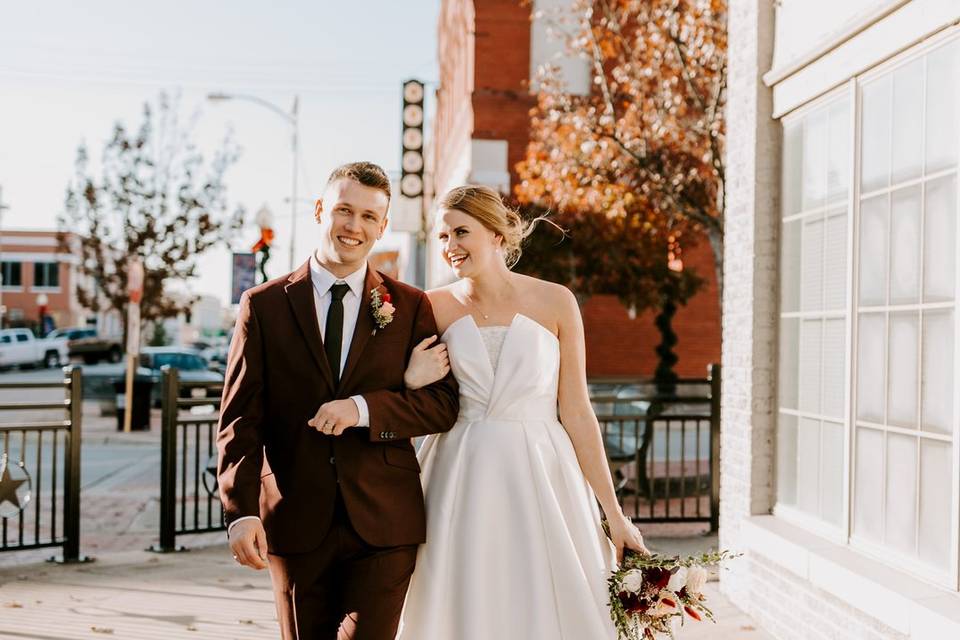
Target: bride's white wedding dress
{"type": "Point", "coordinates": [514, 546]}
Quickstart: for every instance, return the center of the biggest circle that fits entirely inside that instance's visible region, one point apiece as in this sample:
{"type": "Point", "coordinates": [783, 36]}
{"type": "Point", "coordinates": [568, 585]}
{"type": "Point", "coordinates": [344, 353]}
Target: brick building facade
{"type": "Point", "coordinates": [489, 55]}
{"type": "Point", "coordinates": [33, 268]}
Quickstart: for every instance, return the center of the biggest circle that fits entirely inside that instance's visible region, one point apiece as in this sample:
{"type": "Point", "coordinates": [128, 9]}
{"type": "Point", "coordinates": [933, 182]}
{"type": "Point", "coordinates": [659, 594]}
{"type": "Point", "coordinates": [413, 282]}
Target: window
{"type": "Point", "coordinates": [866, 449]}
{"type": "Point", "coordinates": [810, 425]}
{"type": "Point", "coordinates": [905, 319]}
{"type": "Point", "coordinates": [11, 272]}
{"type": "Point", "coordinates": [46, 274]}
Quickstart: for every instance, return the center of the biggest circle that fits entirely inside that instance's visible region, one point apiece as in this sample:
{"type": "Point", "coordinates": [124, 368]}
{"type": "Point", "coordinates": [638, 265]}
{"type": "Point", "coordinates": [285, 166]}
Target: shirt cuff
{"type": "Point", "coordinates": [240, 519]}
{"type": "Point", "coordinates": [364, 420]}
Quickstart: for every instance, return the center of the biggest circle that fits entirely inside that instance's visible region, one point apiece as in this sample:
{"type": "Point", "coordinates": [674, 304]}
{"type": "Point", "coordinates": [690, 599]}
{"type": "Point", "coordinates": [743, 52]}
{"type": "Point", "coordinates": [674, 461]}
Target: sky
{"type": "Point", "coordinates": [70, 70]}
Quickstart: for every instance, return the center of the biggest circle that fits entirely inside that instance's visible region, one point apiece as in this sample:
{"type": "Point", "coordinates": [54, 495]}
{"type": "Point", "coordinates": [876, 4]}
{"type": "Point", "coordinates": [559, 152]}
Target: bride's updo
{"type": "Point", "coordinates": [485, 205]}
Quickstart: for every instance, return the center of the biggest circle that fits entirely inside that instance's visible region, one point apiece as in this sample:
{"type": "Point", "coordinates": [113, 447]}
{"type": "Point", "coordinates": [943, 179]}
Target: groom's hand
{"type": "Point", "coordinates": [248, 541]}
{"type": "Point", "coordinates": [335, 417]}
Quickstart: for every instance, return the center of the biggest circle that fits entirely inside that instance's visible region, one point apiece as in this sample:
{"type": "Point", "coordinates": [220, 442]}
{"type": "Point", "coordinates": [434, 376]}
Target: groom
{"type": "Point", "coordinates": [316, 468]}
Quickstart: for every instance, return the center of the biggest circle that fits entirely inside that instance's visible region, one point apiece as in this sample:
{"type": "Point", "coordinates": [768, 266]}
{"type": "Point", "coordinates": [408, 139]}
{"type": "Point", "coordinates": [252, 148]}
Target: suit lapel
{"type": "Point", "coordinates": [365, 326]}
{"type": "Point", "coordinates": [299, 291]}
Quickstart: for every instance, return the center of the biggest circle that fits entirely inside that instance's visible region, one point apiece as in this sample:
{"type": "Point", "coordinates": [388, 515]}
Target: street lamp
{"type": "Point", "coordinates": [292, 120]}
{"type": "Point", "coordinates": [42, 302]}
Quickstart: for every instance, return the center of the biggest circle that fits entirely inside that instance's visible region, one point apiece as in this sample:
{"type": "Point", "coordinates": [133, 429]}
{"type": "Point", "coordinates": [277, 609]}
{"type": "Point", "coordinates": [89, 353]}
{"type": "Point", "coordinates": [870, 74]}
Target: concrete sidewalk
{"type": "Point", "coordinates": [197, 594]}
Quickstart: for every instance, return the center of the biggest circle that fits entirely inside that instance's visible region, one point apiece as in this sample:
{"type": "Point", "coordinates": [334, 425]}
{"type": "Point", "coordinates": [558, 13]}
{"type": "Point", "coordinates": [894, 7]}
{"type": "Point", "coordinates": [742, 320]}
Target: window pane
{"type": "Point", "coordinates": [905, 246]}
{"type": "Point", "coordinates": [939, 249]}
{"type": "Point", "coordinates": [838, 152]}
{"type": "Point", "coordinates": [875, 134]}
{"type": "Point", "coordinates": [811, 278]}
{"type": "Point", "coordinates": [943, 107]}
{"type": "Point", "coordinates": [790, 267]}
{"type": "Point", "coordinates": [868, 492]}
{"type": "Point", "coordinates": [810, 344]}
{"type": "Point", "coordinates": [789, 362]}
{"type": "Point", "coordinates": [908, 116]}
{"type": "Point", "coordinates": [871, 362]}
{"type": "Point", "coordinates": [835, 263]}
{"type": "Point", "coordinates": [935, 489]}
{"type": "Point", "coordinates": [814, 160]}
{"type": "Point", "coordinates": [937, 380]}
{"type": "Point", "coordinates": [902, 378]}
{"type": "Point", "coordinates": [873, 251]}
{"type": "Point", "coordinates": [833, 367]}
{"type": "Point", "coordinates": [792, 167]}
{"type": "Point", "coordinates": [787, 459]}
{"type": "Point", "coordinates": [901, 503]}
{"type": "Point", "coordinates": [831, 480]}
{"type": "Point", "coordinates": [808, 466]}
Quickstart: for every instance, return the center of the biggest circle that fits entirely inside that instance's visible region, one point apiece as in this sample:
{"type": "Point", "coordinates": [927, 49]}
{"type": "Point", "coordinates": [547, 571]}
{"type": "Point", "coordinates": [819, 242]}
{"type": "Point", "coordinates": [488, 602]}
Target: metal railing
{"type": "Point", "coordinates": [189, 502]}
{"type": "Point", "coordinates": [40, 467]}
{"type": "Point", "coordinates": [664, 450]}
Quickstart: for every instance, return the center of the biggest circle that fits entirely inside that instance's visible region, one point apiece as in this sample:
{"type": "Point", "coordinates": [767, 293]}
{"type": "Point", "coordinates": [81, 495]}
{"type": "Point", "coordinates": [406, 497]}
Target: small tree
{"type": "Point", "coordinates": [155, 198]}
{"type": "Point", "coordinates": [646, 144]}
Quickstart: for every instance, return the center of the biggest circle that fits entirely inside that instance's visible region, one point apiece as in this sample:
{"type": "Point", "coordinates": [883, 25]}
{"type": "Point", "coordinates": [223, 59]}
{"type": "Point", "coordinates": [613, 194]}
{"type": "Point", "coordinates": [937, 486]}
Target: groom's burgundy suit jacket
{"type": "Point", "coordinates": [274, 465]}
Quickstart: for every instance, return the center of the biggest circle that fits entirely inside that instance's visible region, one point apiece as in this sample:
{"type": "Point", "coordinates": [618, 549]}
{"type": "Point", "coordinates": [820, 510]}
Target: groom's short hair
{"type": "Point", "coordinates": [366, 173]}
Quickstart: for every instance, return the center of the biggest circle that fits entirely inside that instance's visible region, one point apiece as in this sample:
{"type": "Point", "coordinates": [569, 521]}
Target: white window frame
{"type": "Point", "coordinates": [789, 513]}
{"type": "Point", "coordinates": [852, 90]}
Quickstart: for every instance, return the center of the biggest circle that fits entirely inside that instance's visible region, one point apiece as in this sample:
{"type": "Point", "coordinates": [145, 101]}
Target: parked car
{"type": "Point", "coordinates": [98, 380]}
{"type": "Point", "coordinates": [19, 347]}
{"type": "Point", "coordinates": [91, 348]}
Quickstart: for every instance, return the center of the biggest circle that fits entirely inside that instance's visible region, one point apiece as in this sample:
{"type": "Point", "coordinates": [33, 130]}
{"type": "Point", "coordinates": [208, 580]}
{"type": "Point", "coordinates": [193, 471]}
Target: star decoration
{"type": "Point", "coordinates": [9, 486]}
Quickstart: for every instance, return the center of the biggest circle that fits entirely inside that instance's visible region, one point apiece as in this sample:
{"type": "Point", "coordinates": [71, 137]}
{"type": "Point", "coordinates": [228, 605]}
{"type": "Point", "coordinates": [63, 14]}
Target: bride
{"type": "Point", "coordinates": [514, 547]}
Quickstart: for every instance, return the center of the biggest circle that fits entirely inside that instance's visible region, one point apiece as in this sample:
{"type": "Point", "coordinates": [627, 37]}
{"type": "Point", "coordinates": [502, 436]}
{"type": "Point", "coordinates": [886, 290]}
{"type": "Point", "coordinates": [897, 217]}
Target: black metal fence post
{"type": "Point", "coordinates": [71, 478]}
{"type": "Point", "coordinates": [168, 462]}
{"type": "Point", "coordinates": [715, 386]}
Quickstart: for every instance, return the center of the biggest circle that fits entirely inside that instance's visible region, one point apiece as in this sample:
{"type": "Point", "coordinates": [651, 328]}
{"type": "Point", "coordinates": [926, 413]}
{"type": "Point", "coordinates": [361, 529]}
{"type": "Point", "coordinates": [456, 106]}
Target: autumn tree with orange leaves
{"type": "Point", "coordinates": [640, 156]}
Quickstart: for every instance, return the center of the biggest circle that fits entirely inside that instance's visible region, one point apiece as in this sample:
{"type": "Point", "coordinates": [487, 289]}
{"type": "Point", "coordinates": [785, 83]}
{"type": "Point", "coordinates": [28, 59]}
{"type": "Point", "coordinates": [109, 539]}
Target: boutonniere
{"type": "Point", "coordinates": [381, 306]}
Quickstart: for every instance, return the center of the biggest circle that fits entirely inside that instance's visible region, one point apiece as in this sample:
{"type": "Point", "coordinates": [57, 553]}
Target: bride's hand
{"type": "Point", "coordinates": [625, 534]}
{"type": "Point", "coordinates": [427, 365]}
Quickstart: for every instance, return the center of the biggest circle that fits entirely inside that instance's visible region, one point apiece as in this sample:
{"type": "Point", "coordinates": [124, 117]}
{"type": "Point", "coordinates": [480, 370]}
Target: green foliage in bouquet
{"type": "Point", "coordinates": [649, 592]}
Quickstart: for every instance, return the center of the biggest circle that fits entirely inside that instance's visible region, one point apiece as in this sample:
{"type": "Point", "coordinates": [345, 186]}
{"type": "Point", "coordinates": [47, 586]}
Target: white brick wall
{"type": "Point", "coordinates": [784, 604]}
{"type": "Point", "coordinates": [749, 297]}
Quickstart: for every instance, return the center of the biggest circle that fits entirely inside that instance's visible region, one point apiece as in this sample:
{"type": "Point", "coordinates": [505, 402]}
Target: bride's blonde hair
{"type": "Point", "coordinates": [486, 206]}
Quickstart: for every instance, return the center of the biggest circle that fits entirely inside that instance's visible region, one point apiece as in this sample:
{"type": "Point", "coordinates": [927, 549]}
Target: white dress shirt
{"type": "Point", "coordinates": [323, 280]}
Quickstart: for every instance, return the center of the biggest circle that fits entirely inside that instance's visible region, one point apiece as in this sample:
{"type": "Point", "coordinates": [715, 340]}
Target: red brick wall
{"type": "Point", "coordinates": [620, 347]}
{"type": "Point", "coordinates": [501, 99]}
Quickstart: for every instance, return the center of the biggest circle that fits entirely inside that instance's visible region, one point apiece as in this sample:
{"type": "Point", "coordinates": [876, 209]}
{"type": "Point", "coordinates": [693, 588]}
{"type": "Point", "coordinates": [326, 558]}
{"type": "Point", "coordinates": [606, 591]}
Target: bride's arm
{"type": "Point", "coordinates": [580, 422]}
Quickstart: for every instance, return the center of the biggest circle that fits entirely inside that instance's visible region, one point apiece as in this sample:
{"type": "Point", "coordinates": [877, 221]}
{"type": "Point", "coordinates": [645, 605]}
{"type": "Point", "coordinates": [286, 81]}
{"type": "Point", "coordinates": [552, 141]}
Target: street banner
{"type": "Point", "coordinates": [244, 274]}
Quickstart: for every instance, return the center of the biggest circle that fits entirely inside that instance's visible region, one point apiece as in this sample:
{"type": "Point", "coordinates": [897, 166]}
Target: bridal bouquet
{"type": "Point", "coordinates": [649, 593]}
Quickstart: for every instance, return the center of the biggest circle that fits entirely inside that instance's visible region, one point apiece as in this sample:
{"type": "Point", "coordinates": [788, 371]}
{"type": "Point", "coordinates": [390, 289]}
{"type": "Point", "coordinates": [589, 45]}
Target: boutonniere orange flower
{"type": "Point", "coordinates": [381, 305]}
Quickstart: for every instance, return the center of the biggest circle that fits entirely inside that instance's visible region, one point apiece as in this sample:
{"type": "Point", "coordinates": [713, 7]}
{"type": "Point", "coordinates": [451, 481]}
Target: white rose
{"type": "Point", "coordinates": [696, 578]}
{"type": "Point", "coordinates": [633, 581]}
{"type": "Point", "coordinates": [678, 580]}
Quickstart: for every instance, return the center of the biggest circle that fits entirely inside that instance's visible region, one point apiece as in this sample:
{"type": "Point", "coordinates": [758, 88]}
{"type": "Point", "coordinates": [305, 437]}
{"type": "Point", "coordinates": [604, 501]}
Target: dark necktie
{"type": "Point", "coordinates": [333, 335]}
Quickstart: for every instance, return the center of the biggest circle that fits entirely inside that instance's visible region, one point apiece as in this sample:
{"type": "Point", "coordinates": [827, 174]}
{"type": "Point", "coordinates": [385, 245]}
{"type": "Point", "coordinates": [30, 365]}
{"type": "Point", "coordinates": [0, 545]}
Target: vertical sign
{"type": "Point", "coordinates": [244, 275]}
{"type": "Point", "coordinates": [135, 292]}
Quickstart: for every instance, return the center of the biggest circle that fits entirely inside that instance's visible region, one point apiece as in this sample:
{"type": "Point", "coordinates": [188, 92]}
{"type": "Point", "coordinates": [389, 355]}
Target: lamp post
{"type": "Point", "coordinates": [42, 302]}
{"type": "Point", "coordinates": [292, 119]}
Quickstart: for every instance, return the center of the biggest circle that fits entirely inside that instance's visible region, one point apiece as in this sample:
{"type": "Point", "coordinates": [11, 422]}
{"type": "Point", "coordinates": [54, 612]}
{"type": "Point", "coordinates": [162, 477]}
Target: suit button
{"type": "Point", "coordinates": [331, 460]}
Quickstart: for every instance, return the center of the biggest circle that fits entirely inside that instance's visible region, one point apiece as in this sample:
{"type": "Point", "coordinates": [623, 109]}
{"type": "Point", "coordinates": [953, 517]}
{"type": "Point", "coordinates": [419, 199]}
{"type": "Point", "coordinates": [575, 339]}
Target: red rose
{"type": "Point", "coordinates": [386, 297]}
{"type": "Point", "coordinates": [658, 577]}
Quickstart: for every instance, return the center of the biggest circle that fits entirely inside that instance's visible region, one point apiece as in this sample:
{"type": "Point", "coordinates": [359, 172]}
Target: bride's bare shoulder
{"type": "Point", "coordinates": [550, 303]}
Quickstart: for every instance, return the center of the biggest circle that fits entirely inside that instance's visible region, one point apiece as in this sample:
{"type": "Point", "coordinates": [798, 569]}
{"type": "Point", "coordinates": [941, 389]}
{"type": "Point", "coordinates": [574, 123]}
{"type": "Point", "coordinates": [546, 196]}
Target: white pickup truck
{"type": "Point", "coordinates": [19, 347]}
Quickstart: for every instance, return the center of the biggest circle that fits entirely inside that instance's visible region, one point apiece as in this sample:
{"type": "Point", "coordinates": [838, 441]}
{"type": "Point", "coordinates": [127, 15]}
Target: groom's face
{"type": "Point", "coordinates": [352, 217]}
